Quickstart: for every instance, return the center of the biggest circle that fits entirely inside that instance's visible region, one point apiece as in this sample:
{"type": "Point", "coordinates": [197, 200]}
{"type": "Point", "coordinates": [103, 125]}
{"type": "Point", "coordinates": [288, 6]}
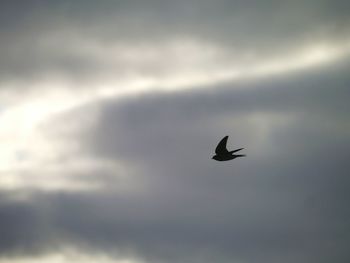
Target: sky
{"type": "Point", "coordinates": [110, 112]}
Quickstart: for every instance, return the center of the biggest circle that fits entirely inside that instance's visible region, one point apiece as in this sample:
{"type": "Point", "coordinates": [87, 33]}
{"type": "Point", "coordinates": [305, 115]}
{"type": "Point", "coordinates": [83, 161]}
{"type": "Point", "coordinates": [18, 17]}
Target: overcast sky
{"type": "Point", "coordinates": [110, 112]}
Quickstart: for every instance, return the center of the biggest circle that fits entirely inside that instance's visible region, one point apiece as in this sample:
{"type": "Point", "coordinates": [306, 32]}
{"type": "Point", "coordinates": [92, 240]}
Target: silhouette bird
{"type": "Point", "coordinates": [222, 154]}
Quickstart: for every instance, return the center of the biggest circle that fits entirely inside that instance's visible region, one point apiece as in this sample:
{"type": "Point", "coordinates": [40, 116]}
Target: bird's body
{"type": "Point", "coordinates": [222, 154]}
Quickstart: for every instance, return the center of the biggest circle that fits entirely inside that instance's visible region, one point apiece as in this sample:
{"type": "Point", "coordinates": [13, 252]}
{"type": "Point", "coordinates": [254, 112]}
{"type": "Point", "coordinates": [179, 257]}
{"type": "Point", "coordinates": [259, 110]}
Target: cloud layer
{"type": "Point", "coordinates": [111, 111]}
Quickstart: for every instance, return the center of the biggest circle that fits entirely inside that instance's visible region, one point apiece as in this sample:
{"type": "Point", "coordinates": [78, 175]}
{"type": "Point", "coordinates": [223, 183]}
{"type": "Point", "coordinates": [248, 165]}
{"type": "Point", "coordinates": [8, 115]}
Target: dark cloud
{"type": "Point", "coordinates": [291, 201]}
{"type": "Point", "coordinates": [43, 38]}
{"type": "Point", "coordinates": [23, 226]}
{"type": "Point", "coordinates": [316, 98]}
{"type": "Point", "coordinates": [223, 19]}
{"type": "Point", "coordinates": [287, 201]}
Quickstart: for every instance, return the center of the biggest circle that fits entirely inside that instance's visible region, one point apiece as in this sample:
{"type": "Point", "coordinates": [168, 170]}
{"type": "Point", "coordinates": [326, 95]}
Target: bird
{"type": "Point", "coordinates": [222, 154]}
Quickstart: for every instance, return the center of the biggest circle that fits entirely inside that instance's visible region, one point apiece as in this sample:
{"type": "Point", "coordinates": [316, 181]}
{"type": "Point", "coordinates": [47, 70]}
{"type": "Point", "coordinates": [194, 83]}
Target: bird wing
{"type": "Point", "coordinates": [236, 150]}
{"type": "Point", "coordinates": [221, 148]}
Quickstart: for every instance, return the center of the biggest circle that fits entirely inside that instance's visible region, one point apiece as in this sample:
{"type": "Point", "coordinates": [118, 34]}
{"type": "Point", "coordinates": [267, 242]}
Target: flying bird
{"type": "Point", "coordinates": [222, 154]}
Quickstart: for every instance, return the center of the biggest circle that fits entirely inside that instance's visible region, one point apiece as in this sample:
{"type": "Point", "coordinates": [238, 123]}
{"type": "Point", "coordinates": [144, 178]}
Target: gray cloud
{"type": "Point", "coordinates": [47, 38]}
{"type": "Point", "coordinates": [292, 199]}
{"type": "Point", "coordinates": [315, 97]}
{"type": "Point", "coordinates": [287, 201]}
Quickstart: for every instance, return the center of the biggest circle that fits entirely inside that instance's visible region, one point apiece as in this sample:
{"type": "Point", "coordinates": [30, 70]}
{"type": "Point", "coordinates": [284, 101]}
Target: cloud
{"type": "Point", "coordinates": [285, 202]}
{"type": "Point", "coordinates": [111, 112]}
{"type": "Point", "coordinates": [119, 41]}
{"type": "Point", "coordinates": [65, 256]}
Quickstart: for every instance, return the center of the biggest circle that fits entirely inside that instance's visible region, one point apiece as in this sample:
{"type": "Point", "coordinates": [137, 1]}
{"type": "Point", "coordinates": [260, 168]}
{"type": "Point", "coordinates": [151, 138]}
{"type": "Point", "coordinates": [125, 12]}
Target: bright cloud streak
{"type": "Point", "coordinates": [66, 257]}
